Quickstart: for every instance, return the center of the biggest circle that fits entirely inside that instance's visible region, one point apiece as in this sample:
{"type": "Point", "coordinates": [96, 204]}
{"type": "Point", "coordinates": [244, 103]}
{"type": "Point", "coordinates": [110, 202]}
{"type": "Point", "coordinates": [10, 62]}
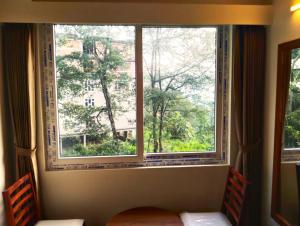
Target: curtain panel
{"type": "Point", "coordinates": [19, 69]}
{"type": "Point", "coordinates": [248, 93]}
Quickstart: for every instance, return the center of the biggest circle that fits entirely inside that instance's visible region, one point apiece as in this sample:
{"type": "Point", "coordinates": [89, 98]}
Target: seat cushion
{"type": "Point", "coordinates": [204, 219]}
{"type": "Point", "coordinates": [69, 222]}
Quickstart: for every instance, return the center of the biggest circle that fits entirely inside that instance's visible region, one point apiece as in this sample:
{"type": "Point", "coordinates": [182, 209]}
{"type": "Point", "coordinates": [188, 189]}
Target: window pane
{"type": "Point", "coordinates": [179, 67]}
{"type": "Point", "coordinates": [95, 118]}
{"type": "Point", "coordinates": [292, 117]}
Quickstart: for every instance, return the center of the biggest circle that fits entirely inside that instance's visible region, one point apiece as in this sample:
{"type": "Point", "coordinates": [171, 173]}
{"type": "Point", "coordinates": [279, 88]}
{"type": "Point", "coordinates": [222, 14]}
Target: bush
{"type": "Point", "coordinates": [108, 148]}
{"type": "Point", "coordinates": [178, 127]}
{"type": "Point", "coordinates": [70, 141]}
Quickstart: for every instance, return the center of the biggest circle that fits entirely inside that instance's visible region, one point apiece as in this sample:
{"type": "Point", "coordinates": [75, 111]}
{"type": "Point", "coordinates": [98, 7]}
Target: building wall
{"type": "Point", "coordinates": [285, 27]}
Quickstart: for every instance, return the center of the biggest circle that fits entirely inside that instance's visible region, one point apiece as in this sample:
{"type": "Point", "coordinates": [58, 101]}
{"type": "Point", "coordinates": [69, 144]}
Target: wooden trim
{"type": "Point", "coordinates": [283, 73]}
{"type": "Point", "coordinates": [254, 2]}
{"type": "Point", "coordinates": [281, 220]}
{"type": "Point", "coordinates": [219, 100]}
{"type": "Point", "coordinates": [139, 91]}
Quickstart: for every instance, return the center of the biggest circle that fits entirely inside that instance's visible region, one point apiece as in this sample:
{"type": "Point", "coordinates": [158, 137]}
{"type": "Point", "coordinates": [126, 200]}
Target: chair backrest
{"type": "Point", "coordinates": [234, 196]}
{"type": "Point", "coordinates": [21, 202]}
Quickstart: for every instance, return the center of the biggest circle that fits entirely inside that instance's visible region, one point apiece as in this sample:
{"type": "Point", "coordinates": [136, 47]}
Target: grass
{"type": "Point", "coordinates": [192, 145]}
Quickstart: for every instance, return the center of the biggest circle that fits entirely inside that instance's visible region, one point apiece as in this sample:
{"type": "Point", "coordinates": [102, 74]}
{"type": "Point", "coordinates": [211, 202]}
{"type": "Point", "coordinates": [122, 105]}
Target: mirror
{"type": "Point", "coordinates": [286, 168]}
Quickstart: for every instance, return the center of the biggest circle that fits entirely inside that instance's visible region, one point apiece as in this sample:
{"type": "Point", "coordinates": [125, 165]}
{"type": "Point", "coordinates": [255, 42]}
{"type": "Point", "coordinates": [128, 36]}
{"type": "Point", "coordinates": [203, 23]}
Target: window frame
{"type": "Point", "coordinates": [222, 99]}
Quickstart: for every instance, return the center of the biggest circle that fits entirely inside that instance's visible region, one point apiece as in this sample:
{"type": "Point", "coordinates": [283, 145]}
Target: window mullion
{"type": "Point", "coordinates": [139, 91]}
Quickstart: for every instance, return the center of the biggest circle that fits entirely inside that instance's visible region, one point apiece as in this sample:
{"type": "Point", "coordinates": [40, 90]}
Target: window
{"type": "Point", "coordinates": [159, 93]}
{"type": "Point", "coordinates": [89, 86]}
{"type": "Point", "coordinates": [88, 103]}
{"type": "Point", "coordinates": [292, 116]}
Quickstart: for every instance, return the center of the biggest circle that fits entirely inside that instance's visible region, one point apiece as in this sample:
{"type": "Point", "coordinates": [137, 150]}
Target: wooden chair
{"type": "Point", "coordinates": [232, 206]}
{"type": "Point", "coordinates": [22, 208]}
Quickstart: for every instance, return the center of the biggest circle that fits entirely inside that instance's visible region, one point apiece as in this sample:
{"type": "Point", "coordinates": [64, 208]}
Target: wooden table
{"type": "Point", "coordinates": [145, 216]}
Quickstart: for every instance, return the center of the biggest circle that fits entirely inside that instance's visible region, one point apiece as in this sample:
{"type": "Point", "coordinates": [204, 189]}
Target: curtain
{"type": "Point", "coordinates": [19, 69]}
{"type": "Point", "coordinates": [248, 91]}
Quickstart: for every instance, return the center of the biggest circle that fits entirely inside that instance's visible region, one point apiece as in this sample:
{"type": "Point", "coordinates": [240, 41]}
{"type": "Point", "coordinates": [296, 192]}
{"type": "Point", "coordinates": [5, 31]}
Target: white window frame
{"type": "Point", "coordinates": [221, 133]}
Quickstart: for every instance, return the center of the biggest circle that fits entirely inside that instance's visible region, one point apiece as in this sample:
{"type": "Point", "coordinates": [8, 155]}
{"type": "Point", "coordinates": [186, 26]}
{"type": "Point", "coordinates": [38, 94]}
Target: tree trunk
{"type": "Point", "coordinates": [154, 123]}
{"type": "Point", "coordinates": [161, 120]}
{"type": "Point", "coordinates": [108, 106]}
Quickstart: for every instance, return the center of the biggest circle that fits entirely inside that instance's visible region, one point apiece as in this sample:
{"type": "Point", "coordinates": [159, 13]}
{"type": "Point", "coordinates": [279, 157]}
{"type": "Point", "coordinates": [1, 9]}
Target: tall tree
{"type": "Point", "coordinates": [169, 82]}
{"type": "Point", "coordinates": [96, 67]}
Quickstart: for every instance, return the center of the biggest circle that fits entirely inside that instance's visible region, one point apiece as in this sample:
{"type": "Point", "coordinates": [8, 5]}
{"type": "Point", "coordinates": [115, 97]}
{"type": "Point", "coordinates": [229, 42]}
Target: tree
{"type": "Point", "coordinates": [95, 67]}
{"type": "Point", "coordinates": [167, 83]}
{"type": "Point", "coordinates": [292, 118]}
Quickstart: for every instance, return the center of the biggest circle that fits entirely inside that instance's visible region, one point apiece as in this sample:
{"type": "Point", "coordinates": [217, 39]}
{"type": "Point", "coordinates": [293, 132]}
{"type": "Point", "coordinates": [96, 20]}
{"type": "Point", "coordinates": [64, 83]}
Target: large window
{"type": "Point", "coordinates": [132, 93]}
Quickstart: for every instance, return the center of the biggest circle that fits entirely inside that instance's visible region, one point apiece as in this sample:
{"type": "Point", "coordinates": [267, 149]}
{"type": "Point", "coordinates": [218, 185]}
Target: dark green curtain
{"type": "Point", "coordinates": [19, 70]}
{"type": "Point", "coordinates": [249, 44]}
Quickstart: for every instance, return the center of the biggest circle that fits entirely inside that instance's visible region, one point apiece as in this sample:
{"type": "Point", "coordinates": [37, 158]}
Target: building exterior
{"type": "Point", "coordinates": [125, 120]}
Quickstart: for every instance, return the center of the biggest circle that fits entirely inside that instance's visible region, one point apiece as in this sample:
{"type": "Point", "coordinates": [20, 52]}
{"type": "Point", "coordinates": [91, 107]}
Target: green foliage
{"type": "Point", "coordinates": [108, 148]}
{"type": "Point", "coordinates": [178, 145]}
{"type": "Point", "coordinates": [292, 118]}
{"type": "Point", "coordinates": [292, 129]}
{"type": "Point", "coordinates": [69, 142]}
{"type": "Point", "coordinates": [178, 127]}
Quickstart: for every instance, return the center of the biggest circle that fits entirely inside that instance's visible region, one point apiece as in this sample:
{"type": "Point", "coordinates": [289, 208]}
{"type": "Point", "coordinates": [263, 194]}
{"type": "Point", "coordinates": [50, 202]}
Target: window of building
{"type": "Point", "coordinates": [160, 94]}
{"type": "Point", "coordinates": [292, 116]}
{"type": "Point", "coordinates": [88, 103]}
{"type": "Point", "coordinates": [89, 86]}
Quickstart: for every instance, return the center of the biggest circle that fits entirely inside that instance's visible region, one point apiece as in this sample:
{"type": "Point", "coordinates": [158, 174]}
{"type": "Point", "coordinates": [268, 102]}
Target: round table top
{"type": "Point", "coordinates": [145, 216]}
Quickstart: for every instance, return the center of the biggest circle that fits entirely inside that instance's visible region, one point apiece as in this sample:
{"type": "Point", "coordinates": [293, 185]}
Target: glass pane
{"type": "Point", "coordinates": [95, 77]}
{"type": "Point", "coordinates": [292, 117]}
{"type": "Point", "coordinates": [179, 67]}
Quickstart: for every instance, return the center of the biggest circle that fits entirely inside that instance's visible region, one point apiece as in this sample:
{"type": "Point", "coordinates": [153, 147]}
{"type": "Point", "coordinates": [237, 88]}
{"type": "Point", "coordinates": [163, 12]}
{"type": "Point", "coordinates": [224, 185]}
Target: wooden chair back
{"type": "Point", "coordinates": [234, 196]}
{"type": "Point", "coordinates": [21, 202]}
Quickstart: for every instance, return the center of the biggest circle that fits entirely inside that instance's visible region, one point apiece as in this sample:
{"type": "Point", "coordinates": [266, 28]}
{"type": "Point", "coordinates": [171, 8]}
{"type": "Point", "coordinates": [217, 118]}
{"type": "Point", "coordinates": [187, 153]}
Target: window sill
{"type": "Point", "coordinates": [290, 155]}
{"type": "Point", "coordinates": [152, 160]}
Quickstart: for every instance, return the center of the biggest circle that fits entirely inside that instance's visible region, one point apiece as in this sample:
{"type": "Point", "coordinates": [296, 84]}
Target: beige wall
{"type": "Point", "coordinates": [285, 27]}
{"type": "Point", "coordinates": [93, 12]}
{"type": "Point", "coordinates": [289, 193]}
{"type": "Point", "coordinates": [97, 195]}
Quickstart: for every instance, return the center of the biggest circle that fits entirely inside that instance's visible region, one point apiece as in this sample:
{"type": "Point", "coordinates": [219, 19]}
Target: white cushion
{"type": "Point", "coordinates": [69, 222]}
{"type": "Point", "coordinates": [204, 219]}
